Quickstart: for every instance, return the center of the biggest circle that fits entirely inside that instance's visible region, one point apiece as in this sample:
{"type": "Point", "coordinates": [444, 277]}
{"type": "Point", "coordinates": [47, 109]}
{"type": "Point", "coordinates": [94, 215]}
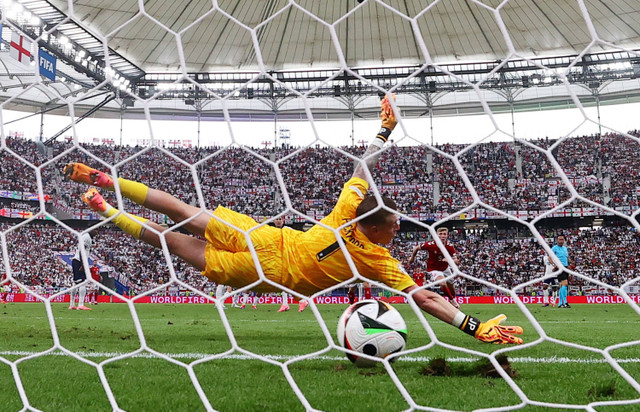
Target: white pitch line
{"type": "Point", "coordinates": [288, 321]}
{"type": "Point", "coordinates": [524, 359]}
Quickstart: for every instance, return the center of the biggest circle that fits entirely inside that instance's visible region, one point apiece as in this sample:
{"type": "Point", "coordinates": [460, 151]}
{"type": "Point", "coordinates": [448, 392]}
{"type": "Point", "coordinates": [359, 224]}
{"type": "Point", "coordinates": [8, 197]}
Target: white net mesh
{"type": "Point", "coordinates": [280, 180]}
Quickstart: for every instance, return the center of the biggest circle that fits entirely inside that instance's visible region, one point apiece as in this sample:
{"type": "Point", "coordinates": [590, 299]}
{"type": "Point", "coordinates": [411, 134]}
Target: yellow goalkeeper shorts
{"type": "Point", "coordinates": [227, 256]}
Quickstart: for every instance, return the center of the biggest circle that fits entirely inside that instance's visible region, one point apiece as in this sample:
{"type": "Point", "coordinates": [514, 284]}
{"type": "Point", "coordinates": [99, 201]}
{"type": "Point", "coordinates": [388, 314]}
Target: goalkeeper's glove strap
{"type": "Point", "coordinates": [384, 133]}
{"type": "Point", "coordinates": [470, 325]}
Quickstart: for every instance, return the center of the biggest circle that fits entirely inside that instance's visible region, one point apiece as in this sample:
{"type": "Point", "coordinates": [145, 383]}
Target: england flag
{"type": "Point", "coordinates": [20, 48]}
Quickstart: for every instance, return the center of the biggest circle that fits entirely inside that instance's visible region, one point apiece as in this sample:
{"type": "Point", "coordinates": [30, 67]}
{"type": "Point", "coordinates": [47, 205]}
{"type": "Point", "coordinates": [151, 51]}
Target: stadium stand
{"type": "Point", "coordinates": [423, 183]}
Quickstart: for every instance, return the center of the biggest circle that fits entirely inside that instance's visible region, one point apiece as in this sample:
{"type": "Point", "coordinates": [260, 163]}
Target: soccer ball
{"type": "Point", "coordinates": [371, 327]}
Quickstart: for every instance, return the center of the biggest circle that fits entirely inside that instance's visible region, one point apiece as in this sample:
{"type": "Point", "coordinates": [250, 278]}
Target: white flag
{"type": "Point", "coordinates": [20, 48]}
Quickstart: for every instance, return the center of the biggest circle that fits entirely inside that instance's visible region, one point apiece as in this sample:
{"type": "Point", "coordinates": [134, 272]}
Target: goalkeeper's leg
{"type": "Point", "coordinates": [189, 248]}
{"type": "Point", "coordinates": [141, 194]}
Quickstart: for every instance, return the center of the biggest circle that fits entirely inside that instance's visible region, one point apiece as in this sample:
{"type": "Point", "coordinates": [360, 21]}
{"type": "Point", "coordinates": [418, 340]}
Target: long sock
{"type": "Point", "coordinates": [285, 298]}
{"type": "Point", "coordinates": [545, 294]}
{"type": "Point", "coordinates": [129, 223]}
{"type": "Point", "coordinates": [563, 295]}
{"type": "Point", "coordinates": [554, 297]}
{"type": "Point", "coordinates": [219, 292]}
{"type": "Point", "coordinates": [445, 289]}
{"type": "Point", "coordinates": [72, 297]}
{"type": "Point", "coordinates": [82, 292]}
{"type": "Point", "coordinates": [245, 299]}
{"type": "Point", "coordinates": [135, 191]}
{"type": "Point", "coordinates": [452, 290]}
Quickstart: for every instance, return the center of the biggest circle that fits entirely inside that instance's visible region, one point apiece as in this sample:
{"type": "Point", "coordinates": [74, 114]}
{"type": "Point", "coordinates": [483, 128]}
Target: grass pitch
{"type": "Point", "coordinates": [549, 372]}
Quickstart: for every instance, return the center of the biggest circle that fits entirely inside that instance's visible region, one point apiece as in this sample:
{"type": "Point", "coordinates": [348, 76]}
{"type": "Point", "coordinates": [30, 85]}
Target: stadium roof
{"type": "Point", "coordinates": [145, 46]}
{"type": "Point", "coordinates": [372, 34]}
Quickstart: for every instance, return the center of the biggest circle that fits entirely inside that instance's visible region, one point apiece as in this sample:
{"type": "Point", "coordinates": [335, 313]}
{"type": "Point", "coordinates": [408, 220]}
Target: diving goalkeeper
{"type": "Point", "coordinates": [306, 262]}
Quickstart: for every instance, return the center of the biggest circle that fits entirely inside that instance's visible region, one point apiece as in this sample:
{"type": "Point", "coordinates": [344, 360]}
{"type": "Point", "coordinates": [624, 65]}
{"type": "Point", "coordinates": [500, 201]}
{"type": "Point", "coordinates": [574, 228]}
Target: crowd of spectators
{"type": "Point", "coordinates": [507, 176]}
{"type": "Point", "coordinates": [619, 161]}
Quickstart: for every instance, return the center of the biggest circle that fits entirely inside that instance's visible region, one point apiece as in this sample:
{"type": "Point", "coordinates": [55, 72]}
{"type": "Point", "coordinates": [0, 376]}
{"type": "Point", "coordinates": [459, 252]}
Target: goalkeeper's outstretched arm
{"type": "Point", "coordinates": [373, 152]}
{"type": "Point", "coordinates": [490, 331]}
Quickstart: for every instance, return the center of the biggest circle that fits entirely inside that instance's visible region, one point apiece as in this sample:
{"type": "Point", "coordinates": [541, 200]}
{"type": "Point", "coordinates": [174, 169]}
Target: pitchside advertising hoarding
{"type": "Point", "coordinates": [332, 300]}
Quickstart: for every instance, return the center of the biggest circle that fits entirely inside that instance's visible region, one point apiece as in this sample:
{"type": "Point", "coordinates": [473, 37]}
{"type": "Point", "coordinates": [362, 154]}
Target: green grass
{"type": "Point", "coordinates": [187, 333]}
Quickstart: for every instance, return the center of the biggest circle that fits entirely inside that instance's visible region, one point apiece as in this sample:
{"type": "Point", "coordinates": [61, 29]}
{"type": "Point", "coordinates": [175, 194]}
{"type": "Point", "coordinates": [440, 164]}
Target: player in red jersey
{"type": "Point", "coordinates": [3, 293]}
{"type": "Point", "coordinates": [93, 291]}
{"type": "Point", "coordinates": [366, 286]}
{"type": "Point", "coordinates": [418, 277]}
{"type": "Point", "coordinates": [437, 265]}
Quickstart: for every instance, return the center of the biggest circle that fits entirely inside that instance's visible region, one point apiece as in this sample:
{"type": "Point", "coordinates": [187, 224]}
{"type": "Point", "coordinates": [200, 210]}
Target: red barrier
{"type": "Point", "coordinates": [335, 300]}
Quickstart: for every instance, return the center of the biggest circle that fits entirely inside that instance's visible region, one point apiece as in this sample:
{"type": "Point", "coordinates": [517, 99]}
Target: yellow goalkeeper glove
{"type": "Point", "coordinates": [388, 118]}
{"type": "Point", "coordinates": [492, 332]}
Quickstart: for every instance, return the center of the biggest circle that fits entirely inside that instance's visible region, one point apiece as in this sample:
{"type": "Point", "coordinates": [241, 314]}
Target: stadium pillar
{"type": "Point", "coordinates": [431, 123]}
{"type": "Point", "coordinates": [275, 128]}
{"type": "Point", "coordinates": [353, 143]}
{"type": "Point", "coordinates": [42, 122]}
{"type": "Point", "coordinates": [122, 108]}
{"type": "Point", "coordinates": [597, 95]}
{"type": "Point", "coordinates": [198, 144]}
{"type": "Point", "coordinates": [513, 119]}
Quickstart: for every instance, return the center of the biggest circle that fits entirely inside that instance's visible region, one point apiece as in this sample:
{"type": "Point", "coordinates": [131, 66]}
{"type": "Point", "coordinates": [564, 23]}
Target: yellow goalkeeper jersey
{"type": "Point", "coordinates": [314, 259]}
{"type": "Point", "coordinates": [302, 261]}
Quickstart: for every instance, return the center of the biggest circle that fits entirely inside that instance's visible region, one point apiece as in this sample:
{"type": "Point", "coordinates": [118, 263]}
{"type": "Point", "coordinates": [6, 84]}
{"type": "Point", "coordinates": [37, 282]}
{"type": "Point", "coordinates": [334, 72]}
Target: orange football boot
{"type": "Point", "coordinates": [81, 173]}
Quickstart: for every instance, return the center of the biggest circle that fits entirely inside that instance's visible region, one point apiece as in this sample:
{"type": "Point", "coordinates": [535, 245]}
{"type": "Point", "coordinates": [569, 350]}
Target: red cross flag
{"type": "Point", "coordinates": [20, 48]}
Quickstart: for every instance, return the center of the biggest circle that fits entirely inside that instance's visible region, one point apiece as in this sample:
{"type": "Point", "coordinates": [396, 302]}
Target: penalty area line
{"type": "Point", "coordinates": [195, 356]}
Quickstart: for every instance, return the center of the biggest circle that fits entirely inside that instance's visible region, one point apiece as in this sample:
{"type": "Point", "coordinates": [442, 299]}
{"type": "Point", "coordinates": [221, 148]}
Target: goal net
{"type": "Point", "coordinates": [206, 139]}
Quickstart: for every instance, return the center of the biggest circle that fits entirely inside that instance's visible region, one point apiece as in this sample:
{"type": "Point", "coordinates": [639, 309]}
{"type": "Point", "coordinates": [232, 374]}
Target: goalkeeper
{"type": "Point", "coordinates": [302, 261]}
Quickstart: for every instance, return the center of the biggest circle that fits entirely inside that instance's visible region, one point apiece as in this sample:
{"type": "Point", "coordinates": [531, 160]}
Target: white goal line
{"type": "Point", "coordinates": [521, 359]}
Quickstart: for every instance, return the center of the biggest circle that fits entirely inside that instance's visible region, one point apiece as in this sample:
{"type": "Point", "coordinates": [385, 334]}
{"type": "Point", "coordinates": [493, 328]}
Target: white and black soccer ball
{"type": "Point", "coordinates": [372, 327]}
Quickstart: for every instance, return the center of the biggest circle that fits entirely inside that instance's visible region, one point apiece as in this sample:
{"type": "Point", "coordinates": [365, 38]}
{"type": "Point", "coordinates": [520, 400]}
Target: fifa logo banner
{"type": "Point", "coordinates": [47, 65]}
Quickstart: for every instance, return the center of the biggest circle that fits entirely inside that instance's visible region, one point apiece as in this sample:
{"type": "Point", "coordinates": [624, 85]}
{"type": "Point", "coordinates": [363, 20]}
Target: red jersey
{"type": "Point", "coordinates": [95, 273]}
{"type": "Point", "coordinates": [436, 260]}
{"type": "Point", "coordinates": [418, 277]}
{"type": "Point", "coordinates": [367, 293]}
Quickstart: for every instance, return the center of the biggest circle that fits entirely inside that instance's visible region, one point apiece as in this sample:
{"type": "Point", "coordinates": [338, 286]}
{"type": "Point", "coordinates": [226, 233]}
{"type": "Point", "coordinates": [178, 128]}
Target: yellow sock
{"type": "Point", "coordinates": [130, 224]}
{"type": "Point", "coordinates": [135, 191]}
